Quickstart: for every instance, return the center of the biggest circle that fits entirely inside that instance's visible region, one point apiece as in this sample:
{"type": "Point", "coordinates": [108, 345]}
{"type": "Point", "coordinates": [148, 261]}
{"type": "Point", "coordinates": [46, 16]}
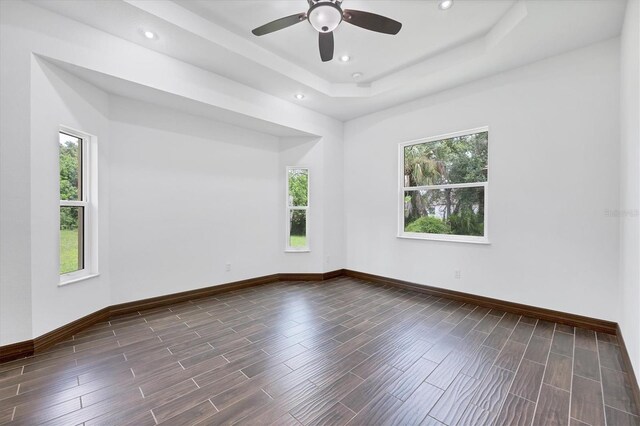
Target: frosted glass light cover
{"type": "Point", "coordinates": [325, 17]}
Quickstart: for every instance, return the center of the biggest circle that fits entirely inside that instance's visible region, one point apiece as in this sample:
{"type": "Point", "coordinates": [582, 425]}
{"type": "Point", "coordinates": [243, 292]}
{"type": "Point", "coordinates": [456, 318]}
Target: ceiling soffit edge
{"type": "Point", "coordinates": [188, 21]}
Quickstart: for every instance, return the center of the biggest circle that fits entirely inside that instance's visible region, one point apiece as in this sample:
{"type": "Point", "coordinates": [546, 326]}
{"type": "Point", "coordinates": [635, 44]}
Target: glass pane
{"type": "Point", "coordinates": [298, 228]}
{"type": "Point", "coordinates": [298, 187]}
{"type": "Point", "coordinates": [457, 211]}
{"type": "Point", "coordinates": [462, 159]}
{"type": "Point", "coordinates": [71, 239]}
{"type": "Point", "coordinates": [70, 167]}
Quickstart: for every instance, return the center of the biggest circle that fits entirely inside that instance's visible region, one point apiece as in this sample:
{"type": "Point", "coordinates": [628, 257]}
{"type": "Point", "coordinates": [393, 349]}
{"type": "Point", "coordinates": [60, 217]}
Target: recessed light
{"type": "Point", "coordinates": [299, 96]}
{"type": "Point", "coordinates": [445, 4]}
{"type": "Point", "coordinates": [356, 75]}
{"type": "Point", "coordinates": [345, 58]}
{"type": "Point", "coordinates": [149, 34]}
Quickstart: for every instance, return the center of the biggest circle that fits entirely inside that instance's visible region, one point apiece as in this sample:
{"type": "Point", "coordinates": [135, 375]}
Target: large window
{"type": "Point", "coordinates": [443, 187]}
{"type": "Point", "coordinates": [297, 209]}
{"type": "Point", "coordinates": [75, 205]}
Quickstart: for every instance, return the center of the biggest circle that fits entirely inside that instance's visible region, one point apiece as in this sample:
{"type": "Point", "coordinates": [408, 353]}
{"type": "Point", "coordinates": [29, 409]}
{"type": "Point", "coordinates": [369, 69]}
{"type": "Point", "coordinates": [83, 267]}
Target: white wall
{"type": "Point", "coordinates": [15, 196]}
{"type": "Point", "coordinates": [57, 98]}
{"type": "Point", "coordinates": [554, 157]}
{"type": "Point", "coordinates": [187, 195]}
{"type": "Point", "coordinates": [630, 182]}
{"type": "Point", "coordinates": [303, 152]}
{"type": "Point", "coordinates": [332, 203]}
{"type": "Point", "coordinates": [173, 219]}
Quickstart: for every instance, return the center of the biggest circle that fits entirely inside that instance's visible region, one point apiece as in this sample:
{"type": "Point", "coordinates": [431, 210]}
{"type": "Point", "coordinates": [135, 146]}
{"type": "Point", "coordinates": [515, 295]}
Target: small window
{"type": "Point", "coordinates": [297, 209]}
{"type": "Point", "coordinates": [443, 187]}
{"type": "Point", "coordinates": [75, 205]}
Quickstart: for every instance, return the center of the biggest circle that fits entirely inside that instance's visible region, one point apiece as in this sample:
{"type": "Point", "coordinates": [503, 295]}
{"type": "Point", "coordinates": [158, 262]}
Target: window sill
{"type": "Point", "coordinates": [297, 251]}
{"type": "Point", "coordinates": [77, 279]}
{"type": "Point", "coordinates": [446, 238]}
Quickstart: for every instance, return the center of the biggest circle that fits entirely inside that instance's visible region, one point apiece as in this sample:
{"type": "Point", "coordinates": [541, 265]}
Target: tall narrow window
{"type": "Point", "coordinates": [443, 187]}
{"type": "Point", "coordinates": [297, 209]}
{"type": "Point", "coordinates": [75, 211]}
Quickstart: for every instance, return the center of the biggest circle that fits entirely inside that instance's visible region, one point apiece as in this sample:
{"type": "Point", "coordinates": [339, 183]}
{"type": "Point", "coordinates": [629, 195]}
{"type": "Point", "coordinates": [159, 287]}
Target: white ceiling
{"type": "Point", "coordinates": [426, 31]}
{"type": "Point", "coordinates": [131, 90]}
{"type": "Point", "coordinates": [434, 51]}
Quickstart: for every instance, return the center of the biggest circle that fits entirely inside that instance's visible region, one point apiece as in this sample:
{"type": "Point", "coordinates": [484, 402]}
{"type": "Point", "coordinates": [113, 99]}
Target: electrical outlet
{"type": "Point", "coordinates": [457, 274]}
{"type": "Point", "coordinates": [227, 266]}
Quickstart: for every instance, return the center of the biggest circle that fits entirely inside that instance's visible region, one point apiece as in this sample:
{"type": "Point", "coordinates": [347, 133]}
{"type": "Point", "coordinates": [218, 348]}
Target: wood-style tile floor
{"type": "Point", "coordinates": [331, 353]}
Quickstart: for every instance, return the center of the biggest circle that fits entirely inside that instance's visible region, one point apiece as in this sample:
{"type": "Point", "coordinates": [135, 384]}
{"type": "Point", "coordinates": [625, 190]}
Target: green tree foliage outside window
{"type": "Point", "coordinates": [70, 165]}
{"type": "Point", "coordinates": [458, 211]}
{"type": "Point", "coordinates": [298, 187]}
{"type": "Point", "coordinates": [71, 217]}
{"type": "Point", "coordinates": [298, 197]}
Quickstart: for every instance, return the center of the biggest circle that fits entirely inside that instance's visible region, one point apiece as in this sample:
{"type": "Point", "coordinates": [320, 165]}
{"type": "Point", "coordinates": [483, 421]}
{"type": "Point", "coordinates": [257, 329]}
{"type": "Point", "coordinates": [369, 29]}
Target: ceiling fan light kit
{"type": "Point", "coordinates": [325, 16]}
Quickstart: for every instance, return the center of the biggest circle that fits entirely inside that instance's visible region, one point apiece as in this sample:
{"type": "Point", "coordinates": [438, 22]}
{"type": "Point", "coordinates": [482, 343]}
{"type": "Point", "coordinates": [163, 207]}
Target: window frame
{"type": "Point", "coordinates": [87, 199]}
{"type": "Point", "coordinates": [401, 190]}
{"type": "Point", "coordinates": [289, 209]}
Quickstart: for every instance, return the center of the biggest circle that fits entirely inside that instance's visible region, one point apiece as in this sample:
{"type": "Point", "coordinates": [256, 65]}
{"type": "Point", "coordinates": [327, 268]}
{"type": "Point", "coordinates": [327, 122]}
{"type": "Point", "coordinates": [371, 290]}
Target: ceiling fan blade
{"type": "Point", "coordinates": [326, 46]}
{"type": "Point", "coordinates": [372, 22]}
{"type": "Point", "coordinates": [279, 24]}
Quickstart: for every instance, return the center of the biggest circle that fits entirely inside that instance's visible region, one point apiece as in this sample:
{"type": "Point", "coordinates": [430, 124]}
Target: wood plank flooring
{"type": "Point", "coordinates": [336, 352]}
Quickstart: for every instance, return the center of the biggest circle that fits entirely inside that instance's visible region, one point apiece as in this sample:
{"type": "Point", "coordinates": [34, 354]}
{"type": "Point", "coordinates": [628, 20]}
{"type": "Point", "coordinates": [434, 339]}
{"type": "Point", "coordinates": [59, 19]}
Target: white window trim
{"type": "Point", "coordinates": [90, 204]}
{"type": "Point", "coordinates": [401, 189]}
{"type": "Point", "coordinates": [288, 248]}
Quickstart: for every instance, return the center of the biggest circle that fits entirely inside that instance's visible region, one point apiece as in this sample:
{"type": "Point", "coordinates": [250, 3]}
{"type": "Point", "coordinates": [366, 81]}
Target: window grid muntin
{"type": "Point", "coordinates": [83, 201]}
{"type": "Point", "coordinates": [402, 188]}
{"type": "Point", "coordinates": [290, 208]}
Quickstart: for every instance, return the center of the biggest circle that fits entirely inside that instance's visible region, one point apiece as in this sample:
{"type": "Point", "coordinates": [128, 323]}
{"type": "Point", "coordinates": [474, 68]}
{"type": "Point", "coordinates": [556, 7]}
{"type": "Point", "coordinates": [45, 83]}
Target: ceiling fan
{"type": "Point", "coordinates": [325, 16]}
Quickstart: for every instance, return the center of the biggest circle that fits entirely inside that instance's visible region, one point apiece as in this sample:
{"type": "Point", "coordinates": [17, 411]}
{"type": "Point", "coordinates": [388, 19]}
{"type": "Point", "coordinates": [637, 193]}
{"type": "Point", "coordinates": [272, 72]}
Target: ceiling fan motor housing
{"type": "Point", "coordinates": [325, 16]}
